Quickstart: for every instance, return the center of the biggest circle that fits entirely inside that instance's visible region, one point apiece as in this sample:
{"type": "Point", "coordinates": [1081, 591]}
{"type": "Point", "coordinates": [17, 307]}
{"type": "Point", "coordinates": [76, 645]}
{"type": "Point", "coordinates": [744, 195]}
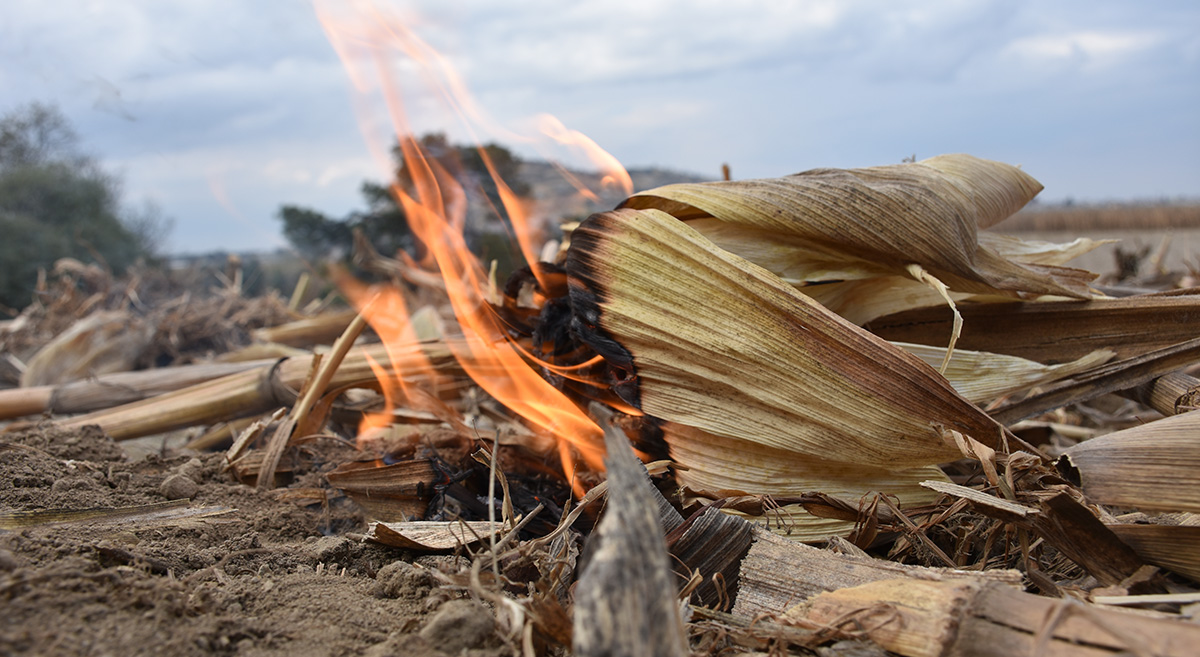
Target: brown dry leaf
{"type": "Point", "coordinates": [706, 339]}
{"type": "Point", "coordinates": [1154, 466]}
{"type": "Point", "coordinates": [395, 492]}
{"type": "Point", "coordinates": [848, 224]}
{"type": "Point", "coordinates": [426, 536]}
{"type": "Point", "coordinates": [1171, 546]}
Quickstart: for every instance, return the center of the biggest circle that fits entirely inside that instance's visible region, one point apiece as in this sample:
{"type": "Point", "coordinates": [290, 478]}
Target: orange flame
{"type": "Point", "coordinates": [435, 208]}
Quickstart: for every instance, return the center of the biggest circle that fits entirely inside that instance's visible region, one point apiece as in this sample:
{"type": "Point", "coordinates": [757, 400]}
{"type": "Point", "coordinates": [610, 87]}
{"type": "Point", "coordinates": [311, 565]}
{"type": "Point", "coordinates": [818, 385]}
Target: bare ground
{"type": "Point", "coordinates": [262, 575]}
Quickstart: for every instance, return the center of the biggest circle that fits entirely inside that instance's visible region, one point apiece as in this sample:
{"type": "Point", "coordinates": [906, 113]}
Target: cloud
{"type": "Point", "coordinates": [255, 93]}
{"type": "Point", "coordinates": [1093, 47]}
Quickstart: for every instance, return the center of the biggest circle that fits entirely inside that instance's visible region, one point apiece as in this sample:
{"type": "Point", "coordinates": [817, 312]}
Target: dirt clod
{"type": "Point", "coordinates": [460, 625]}
{"type": "Point", "coordinates": [401, 579]}
{"type": "Point", "coordinates": [178, 487]}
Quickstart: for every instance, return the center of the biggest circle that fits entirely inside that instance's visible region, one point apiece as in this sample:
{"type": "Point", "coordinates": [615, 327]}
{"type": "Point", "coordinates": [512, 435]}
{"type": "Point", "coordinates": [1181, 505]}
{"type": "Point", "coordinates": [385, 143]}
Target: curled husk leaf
{"type": "Point", "coordinates": [721, 463]}
{"type": "Point", "coordinates": [1153, 466]}
{"type": "Point", "coordinates": [849, 224]}
{"type": "Point", "coordinates": [702, 337]}
{"type": "Point", "coordinates": [981, 376]}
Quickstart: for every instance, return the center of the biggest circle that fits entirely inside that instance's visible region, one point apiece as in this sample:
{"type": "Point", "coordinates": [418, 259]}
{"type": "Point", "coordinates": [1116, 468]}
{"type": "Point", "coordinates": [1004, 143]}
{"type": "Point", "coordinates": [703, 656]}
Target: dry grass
{"type": "Point", "coordinates": [1110, 216]}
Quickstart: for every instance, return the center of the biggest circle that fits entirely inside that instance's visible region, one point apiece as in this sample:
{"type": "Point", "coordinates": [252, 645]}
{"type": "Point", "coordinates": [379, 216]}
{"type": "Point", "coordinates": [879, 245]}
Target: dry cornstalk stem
{"type": "Point", "coordinates": [1169, 394]}
{"type": "Point", "coordinates": [1054, 331]}
{"type": "Point", "coordinates": [256, 391]}
{"type": "Point", "coordinates": [911, 610]}
{"type": "Point", "coordinates": [314, 386]}
{"type": "Point", "coordinates": [977, 619]}
{"type": "Point", "coordinates": [309, 331]}
{"type": "Point", "coordinates": [110, 390]}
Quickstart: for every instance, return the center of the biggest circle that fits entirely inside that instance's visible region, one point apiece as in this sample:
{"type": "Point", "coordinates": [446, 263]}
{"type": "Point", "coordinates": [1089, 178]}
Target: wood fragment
{"type": "Point", "coordinates": [426, 536]}
{"type": "Point", "coordinates": [1063, 523]}
{"type": "Point", "coordinates": [1080, 536]}
{"type": "Point", "coordinates": [397, 492]}
{"type": "Point", "coordinates": [978, 498]}
{"type": "Point", "coordinates": [977, 619]}
{"type": "Point", "coordinates": [712, 544]}
{"type": "Point", "coordinates": [625, 602]}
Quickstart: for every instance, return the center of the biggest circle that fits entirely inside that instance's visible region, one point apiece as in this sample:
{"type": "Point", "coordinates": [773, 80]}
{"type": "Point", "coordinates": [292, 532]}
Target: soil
{"type": "Point", "coordinates": [232, 571]}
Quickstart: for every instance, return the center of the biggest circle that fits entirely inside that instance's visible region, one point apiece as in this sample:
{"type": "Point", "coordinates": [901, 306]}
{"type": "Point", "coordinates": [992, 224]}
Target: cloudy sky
{"type": "Point", "coordinates": [219, 111]}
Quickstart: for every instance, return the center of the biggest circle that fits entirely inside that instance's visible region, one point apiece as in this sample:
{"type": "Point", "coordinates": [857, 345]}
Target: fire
{"type": "Point", "coordinates": [369, 43]}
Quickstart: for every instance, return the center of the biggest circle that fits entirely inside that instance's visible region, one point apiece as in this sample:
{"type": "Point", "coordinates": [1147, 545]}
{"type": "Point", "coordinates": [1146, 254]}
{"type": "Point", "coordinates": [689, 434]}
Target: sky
{"type": "Point", "coordinates": [220, 111]}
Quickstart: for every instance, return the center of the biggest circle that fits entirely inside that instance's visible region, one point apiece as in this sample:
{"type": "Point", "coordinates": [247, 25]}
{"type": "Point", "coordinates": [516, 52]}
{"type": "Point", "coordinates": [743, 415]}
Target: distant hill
{"type": "Point", "coordinates": [558, 199]}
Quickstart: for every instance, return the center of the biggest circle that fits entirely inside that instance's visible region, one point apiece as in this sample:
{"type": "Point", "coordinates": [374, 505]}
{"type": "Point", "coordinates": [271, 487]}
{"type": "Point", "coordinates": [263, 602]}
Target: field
{"type": "Point", "coordinates": [1167, 236]}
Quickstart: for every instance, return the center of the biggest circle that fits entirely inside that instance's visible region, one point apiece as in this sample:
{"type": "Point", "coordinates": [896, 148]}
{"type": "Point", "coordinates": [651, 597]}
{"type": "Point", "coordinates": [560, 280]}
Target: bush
{"type": "Point", "coordinates": [56, 202]}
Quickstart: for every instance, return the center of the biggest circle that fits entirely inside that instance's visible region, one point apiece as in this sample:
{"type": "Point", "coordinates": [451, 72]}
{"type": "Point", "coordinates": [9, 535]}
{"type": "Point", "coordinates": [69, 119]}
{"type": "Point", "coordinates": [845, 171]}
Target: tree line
{"type": "Point", "coordinates": [58, 202]}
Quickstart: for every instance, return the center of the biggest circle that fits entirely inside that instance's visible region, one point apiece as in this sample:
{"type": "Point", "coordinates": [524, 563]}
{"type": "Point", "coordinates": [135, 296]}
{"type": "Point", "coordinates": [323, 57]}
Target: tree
{"type": "Point", "coordinates": [315, 235]}
{"type": "Point", "coordinates": [56, 202]}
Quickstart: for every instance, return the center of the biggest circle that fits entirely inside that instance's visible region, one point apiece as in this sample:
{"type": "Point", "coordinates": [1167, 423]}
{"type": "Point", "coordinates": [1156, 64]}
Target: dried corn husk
{"type": "Point", "coordinates": [1154, 466]}
{"type": "Point", "coordinates": [720, 463]}
{"type": "Point", "coordinates": [1037, 252]}
{"type": "Point", "coordinates": [863, 300]}
{"type": "Point", "coordinates": [1171, 546]}
{"type": "Point", "coordinates": [101, 343]}
{"type": "Point", "coordinates": [706, 339]}
{"type": "Point", "coordinates": [848, 224]}
{"type": "Point", "coordinates": [980, 376]}
{"type": "Point", "coordinates": [1054, 331]}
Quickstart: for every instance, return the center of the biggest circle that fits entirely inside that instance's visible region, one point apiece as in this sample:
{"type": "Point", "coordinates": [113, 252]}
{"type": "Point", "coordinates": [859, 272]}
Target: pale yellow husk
{"type": "Point", "coordinates": [722, 345]}
{"type": "Point", "coordinates": [861, 300]}
{"type": "Point", "coordinates": [719, 463]}
{"type": "Point", "coordinates": [851, 224]}
{"type": "Point", "coordinates": [981, 376]}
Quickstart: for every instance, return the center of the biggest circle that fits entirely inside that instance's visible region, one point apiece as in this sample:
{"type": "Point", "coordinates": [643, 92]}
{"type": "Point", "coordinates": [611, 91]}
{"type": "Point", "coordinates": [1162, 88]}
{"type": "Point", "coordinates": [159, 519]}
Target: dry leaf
{"type": "Point", "coordinates": [1154, 466]}
{"type": "Point", "coordinates": [847, 224]}
{"type": "Point", "coordinates": [703, 338]}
